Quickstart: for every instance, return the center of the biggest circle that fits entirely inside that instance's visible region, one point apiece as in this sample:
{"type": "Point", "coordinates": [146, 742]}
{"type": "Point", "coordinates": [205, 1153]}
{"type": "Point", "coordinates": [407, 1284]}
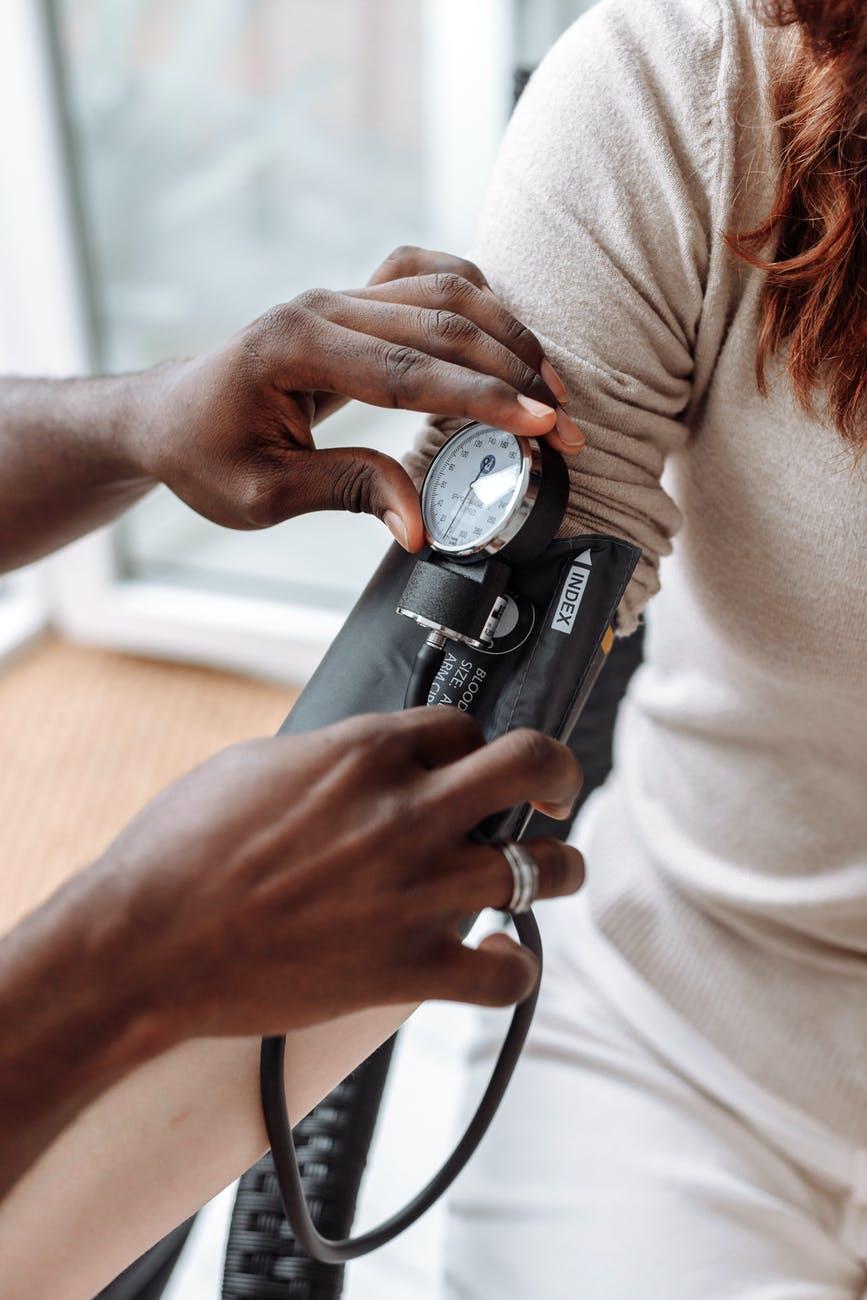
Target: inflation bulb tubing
{"type": "Point", "coordinates": [272, 1064]}
{"type": "Point", "coordinates": [427, 664]}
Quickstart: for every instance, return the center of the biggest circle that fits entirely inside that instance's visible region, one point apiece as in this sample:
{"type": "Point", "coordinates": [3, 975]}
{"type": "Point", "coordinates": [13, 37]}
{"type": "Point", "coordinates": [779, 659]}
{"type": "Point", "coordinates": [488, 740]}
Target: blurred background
{"type": "Point", "coordinates": [168, 170]}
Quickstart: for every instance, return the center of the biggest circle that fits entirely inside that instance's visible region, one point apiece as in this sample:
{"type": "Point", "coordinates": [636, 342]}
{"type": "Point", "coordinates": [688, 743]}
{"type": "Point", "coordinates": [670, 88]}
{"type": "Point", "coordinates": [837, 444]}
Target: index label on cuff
{"type": "Point", "coordinates": [572, 593]}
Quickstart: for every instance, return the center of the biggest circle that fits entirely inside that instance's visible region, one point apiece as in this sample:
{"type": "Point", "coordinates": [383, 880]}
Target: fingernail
{"type": "Point", "coordinates": [559, 811]}
{"type": "Point", "coordinates": [554, 382]}
{"type": "Point", "coordinates": [570, 433]}
{"type": "Point", "coordinates": [397, 528]}
{"type": "Point", "coordinates": [539, 409]}
{"type": "Point", "coordinates": [562, 810]}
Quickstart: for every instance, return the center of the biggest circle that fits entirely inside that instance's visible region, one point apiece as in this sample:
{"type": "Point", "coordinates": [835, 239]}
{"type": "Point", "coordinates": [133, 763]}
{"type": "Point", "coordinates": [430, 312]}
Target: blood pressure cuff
{"type": "Point", "coordinates": [554, 636]}
{"type": "Point", "coordinates": [552, 641]}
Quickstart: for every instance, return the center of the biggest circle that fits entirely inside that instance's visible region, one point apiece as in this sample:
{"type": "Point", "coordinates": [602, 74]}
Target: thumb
{"type": "Point", "coordinates": [364, 481]}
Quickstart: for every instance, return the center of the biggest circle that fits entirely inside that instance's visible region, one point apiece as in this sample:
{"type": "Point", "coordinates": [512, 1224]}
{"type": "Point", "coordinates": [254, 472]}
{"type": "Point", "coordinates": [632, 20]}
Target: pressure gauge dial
{"type": "Point", "coordinates": [487, 492]}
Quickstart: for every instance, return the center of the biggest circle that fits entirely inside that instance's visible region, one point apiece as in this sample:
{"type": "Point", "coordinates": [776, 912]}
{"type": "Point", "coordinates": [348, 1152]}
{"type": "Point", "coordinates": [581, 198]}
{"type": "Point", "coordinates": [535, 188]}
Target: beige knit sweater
{"type": "Point", "coordinates": [728, 859]}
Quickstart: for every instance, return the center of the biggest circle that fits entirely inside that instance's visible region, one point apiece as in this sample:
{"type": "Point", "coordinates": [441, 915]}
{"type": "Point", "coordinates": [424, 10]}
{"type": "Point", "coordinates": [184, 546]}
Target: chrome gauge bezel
{"type": "Point", "coordinates": [516, 513]}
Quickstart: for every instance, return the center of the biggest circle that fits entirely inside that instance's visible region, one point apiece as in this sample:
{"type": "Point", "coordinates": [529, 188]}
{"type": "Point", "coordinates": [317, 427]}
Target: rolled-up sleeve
{"type": "Point", "coordinates": [596, 232]}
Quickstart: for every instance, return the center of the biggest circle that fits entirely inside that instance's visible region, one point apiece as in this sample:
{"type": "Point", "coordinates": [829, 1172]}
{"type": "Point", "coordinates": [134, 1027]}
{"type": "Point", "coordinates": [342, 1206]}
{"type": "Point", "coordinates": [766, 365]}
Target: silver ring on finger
{"type": "Point", "coordinates": [525, 876]}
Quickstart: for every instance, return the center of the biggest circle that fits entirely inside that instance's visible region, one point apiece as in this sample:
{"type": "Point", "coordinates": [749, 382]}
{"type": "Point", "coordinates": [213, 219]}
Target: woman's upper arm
{"type": "Point", "coordinates": [597, 233]}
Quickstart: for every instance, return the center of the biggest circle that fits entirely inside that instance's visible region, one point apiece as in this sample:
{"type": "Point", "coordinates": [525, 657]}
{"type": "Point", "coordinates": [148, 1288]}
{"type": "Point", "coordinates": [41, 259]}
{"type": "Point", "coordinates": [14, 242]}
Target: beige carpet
{"type": "Point", "coordinates": [87, 737]}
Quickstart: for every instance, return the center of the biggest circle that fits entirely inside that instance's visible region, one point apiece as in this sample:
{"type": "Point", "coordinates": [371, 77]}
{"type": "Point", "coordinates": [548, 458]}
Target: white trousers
{"type": "Point", "coordinates": [630, 1162]}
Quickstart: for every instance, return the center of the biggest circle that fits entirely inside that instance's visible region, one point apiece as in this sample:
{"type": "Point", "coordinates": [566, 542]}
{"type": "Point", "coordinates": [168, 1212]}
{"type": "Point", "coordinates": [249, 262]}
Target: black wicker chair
{"type": "Point", "coordinates": [149, 1276]}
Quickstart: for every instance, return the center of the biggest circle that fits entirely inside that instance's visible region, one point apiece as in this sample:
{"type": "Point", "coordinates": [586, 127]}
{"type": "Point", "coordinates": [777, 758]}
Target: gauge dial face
{"type": "Point", "coordinates": [472, 489]}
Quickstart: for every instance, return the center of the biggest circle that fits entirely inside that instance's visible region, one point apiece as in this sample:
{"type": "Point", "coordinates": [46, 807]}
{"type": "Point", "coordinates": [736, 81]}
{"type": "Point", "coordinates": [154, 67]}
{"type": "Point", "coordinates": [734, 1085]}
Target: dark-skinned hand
{"type": "Point", "coordinates": [291, 880]}
{"type": "Point", "coordinates": [231, 432]}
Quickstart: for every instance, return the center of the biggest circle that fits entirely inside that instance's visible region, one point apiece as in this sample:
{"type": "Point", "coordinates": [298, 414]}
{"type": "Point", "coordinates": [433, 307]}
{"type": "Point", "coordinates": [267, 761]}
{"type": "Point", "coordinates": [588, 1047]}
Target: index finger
{"type": "Point", "coordinates": [521, 767]}
{"type": "Point", "coordinates": [448, 292]}
{"type": "Point", "coordinates": [451, 295]}
{"type": "Point", "coordinates": [398, 375]}
{"type": "Point", "coordinates": [438, 736]}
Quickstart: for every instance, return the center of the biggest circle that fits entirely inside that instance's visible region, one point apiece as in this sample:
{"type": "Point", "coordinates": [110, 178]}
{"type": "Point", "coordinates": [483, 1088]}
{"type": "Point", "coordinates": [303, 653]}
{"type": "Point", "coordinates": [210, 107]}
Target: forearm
{"type": "Point", "coordinates": [68, 458]}
{"type": "Point", "coordinates": [102, 1108]}
{"type": "Point", "coordinates": [155, 1148]}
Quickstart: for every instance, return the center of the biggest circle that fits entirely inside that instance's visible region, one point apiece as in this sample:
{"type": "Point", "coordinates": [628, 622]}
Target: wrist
{"type": "Point", "coordinates": [100, 1019]}
{"type": "Point", "coordinates": [145, 416]}
{"type": "Point", "coordinates": [120, 952]}
{"type": "Point", "coordinates": [101, 419]}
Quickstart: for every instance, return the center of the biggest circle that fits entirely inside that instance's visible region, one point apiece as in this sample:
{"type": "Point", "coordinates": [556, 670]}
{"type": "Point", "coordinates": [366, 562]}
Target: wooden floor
{"type": "Point", "coordinates": [87, 737]}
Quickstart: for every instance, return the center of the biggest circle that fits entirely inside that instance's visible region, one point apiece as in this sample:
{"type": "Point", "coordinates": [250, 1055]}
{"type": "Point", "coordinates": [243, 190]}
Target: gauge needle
{"type": "Point", "coordinates": [466, 497]}
{"type": "Point", "coordinates": [493, 486]}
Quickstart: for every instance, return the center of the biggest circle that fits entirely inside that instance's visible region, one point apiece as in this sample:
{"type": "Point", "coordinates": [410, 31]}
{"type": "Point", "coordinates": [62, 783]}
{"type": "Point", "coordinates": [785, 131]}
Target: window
{"type": "Point", "coordinates": [177, 169]}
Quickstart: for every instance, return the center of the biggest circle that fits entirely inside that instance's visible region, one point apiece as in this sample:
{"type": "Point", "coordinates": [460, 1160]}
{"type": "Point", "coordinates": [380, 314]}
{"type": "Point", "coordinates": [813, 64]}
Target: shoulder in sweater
{"type": "Point", "coordinates": [601, 230]}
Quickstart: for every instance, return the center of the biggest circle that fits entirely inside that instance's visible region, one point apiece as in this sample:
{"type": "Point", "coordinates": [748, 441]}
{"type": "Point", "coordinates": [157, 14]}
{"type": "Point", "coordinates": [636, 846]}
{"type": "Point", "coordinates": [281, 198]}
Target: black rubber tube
{"type": "Point", "coordinates": [289, 1179]}
{"type": "Point", "coordinates": [338, 1250]}
{"type": "Point", "coordinates": [427, 664]}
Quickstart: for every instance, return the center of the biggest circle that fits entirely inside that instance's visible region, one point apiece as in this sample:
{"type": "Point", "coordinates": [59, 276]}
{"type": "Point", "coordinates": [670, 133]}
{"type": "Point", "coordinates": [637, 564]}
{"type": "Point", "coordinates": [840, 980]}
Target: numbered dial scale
{"type": "Point", "coordinates": [487, 492]}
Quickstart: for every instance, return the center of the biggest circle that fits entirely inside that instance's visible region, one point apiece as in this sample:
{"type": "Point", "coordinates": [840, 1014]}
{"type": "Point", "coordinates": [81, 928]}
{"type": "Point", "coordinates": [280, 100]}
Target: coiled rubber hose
{"type": "Point", "coordinates": [338, 1250]}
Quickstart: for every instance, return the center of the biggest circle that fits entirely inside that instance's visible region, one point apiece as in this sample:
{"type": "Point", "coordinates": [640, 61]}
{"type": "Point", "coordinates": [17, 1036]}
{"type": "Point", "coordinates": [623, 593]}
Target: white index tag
{"type": "Point", "coordinates": [572, 593]}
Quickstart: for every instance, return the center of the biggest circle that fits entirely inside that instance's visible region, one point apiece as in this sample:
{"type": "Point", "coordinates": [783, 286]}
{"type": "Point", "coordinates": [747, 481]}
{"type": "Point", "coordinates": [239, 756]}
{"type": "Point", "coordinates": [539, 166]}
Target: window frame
{"type": "Point", "coordinates": [23, 616]}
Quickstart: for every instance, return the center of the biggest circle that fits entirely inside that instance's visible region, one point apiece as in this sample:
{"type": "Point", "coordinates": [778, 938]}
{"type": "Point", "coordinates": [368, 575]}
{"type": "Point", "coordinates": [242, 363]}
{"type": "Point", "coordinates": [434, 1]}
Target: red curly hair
{"type": "Point", "coordinates": [813, 243]}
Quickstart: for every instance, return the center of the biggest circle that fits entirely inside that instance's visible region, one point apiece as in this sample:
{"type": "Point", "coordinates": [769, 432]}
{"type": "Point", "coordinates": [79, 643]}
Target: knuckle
{"type": "Point", "coordinates": [387, 739]}
{"type": "Point", "coordinates": [401, 826]}
{"type": "Point", "coordinates": [449, 327]}
{"type": "Point", "coordinates": [366, 731]}
{"type": "Point", "coordinates": [362, 725]}
{"type": "Point", "coordinates": [405, 255]}
{"type": "Point", "coordinates": [449, 287]}
{"type": "Point", "coordinates": [461, 724]}
{"type": "Point", "coordinates": [533, 749]}
{"type": "Point", "coordinates": [352, 487]}
{"type": "Point", "coordinates": [401, 262]}
{"type": "Point", "coordinates": [518, 335]}
{"type": "Point", "coordinates": [313, 301]}
{"type": "Point", "coordinates": [401, 364]}
{"type": "Point", "coordinates": [471, 272]}
{"type": "Point", "coordinates": [523, 377]}
{"type": "Point", "coordinates": [376, 755]}
{"type": "Point", "coordinates": [267, 335]}
{"type": "Point", "coordinates": [282, 319]}
{"type": "Point", "coordinates": [460, 735]}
